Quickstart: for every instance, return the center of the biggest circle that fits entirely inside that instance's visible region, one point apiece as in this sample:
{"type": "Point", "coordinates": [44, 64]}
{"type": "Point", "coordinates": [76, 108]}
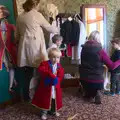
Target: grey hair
{"type": "Point", "coordinates": [95, 35]}
{"type": "Point", "coordinates": [56, 37]}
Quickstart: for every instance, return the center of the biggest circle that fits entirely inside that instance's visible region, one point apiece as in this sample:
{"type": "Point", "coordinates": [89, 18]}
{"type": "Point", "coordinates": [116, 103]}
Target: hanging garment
{"type": "Point", "coordinates": [8, 49]}
{"type": "Point", "coordinates": [69, 50]}
{"type": "Point", "coordinates": [70, 32]}
{"type": "Point", "coordinates": [76, 50]}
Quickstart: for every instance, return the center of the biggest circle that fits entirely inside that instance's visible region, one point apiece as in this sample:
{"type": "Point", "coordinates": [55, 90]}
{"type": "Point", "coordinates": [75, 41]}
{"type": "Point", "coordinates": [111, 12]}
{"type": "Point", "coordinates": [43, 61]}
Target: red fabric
{"type": "Point", "coordinates": [63, 53]}
{"type": "Point", "coordinates": [11, 48]}
{"type": "Point", "coordinates": [42, 97]}
{"type": "Point", "coordinates": [69, 50]}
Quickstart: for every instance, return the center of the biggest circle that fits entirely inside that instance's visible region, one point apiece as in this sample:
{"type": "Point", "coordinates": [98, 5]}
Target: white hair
{"type": "Point", "coordinates": [95, 35]}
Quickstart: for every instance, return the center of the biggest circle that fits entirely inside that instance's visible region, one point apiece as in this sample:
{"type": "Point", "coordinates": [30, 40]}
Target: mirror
{"type": "Point", "coordinates": [94, 18]}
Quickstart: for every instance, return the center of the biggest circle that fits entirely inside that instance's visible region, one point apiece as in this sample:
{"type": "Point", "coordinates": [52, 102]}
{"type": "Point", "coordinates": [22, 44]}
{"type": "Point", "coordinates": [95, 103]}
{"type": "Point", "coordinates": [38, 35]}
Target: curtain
{"type": "Point", "coordinates": [93, 15]}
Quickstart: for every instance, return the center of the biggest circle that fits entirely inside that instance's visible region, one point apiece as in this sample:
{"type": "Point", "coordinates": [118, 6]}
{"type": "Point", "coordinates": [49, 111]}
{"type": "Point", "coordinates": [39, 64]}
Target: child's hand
{"type": "Point", "coordinates": [55, 73]}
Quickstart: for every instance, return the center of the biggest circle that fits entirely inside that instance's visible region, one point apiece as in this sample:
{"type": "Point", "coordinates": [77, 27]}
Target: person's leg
{"type": "Point", "coordinates": [90, 90]}
{"type": "Point", "coordinates": [85, 90]}
{"type": "Point", "coordinates": [11, 78]}
{"type": "Point", "coordinates": [118, 84]}
{"type": "Point", "coordinates": [113, 84]}
{"type": "Point", "coordinates": [28, 77]}
{"type": "Point", "coordinates": [93, 92]}
{"type": "Point", "coordinates": [82, 87]}
{"type": "Point", "coordinates": [53, 106]}
{"type": "Point", "coordinates": [53, 110]}
{"type": "Point", "coordinates": [20, 78]}
{"type": "Point", "coordinates": [98, 97]}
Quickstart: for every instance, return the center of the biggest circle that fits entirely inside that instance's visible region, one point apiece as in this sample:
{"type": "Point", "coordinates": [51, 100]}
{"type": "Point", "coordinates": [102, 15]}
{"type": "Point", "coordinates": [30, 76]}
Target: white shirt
{"type": "Point", "coordinates": [53, 87]}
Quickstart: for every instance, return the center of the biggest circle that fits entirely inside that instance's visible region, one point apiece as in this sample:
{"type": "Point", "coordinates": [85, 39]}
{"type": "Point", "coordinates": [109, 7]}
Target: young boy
{"type": "Point", "coordinates": [56, 41]}
{"type": "Point", "coordinates": [115, 74]}
{"type": "Point", "coordinates": [48, 96]}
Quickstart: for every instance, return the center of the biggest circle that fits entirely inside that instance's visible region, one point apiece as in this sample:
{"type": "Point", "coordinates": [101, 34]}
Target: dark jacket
{"type": "Point", "coordinates": [70, 32]}
{"type": "Point", "coordinates": [91, 65]}
{"type": "Point", "coordinates": [116, 56]}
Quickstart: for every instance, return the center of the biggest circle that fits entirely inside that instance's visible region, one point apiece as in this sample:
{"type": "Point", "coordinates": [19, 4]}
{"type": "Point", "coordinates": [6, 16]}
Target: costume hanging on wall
{"type": "Point", "coordinates": [7, 47]}
{"type": "Point", "coordinates": [74, 35]}
{"type": "Point", "coordinates": [76, 50]}
{"type": "Point", "coordinates": [8, 51]}
{"type": "Point", "coordinates": [70, 31]}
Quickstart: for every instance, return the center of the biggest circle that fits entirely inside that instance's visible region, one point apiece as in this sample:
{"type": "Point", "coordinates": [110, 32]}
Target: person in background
{"type": "Point", "coordinates": [8, 50]}
{"type": "Point", "coordinates": [48, 96]}
{"type": "Point", "coordinates": [93, 57]}
{"type": "Point", "coordinates": [115, 74]}
{"type": "Point", "coordinates": [30, 41]}
{"type": "Point", "coordinates": [56, 41]}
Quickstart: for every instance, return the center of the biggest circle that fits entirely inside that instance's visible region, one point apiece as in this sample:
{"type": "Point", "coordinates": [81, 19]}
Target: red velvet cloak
{"type": "Point", "coordinates": [42, 97]}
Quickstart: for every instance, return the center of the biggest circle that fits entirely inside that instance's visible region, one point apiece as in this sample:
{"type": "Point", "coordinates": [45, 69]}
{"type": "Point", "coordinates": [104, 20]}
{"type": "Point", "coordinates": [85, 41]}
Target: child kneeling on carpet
{"type": "Point", "coordinates": [48, 96]}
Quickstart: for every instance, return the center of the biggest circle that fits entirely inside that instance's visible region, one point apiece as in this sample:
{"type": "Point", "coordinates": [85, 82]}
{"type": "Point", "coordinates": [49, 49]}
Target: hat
{"type": "Point", "coordinates": [5, 10]}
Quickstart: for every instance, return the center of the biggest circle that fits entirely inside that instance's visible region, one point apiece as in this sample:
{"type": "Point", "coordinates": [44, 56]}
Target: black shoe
{"type": "Point", "coordinates": [97, 100]}
{"type": "Point", "coordinates": [50, 112]}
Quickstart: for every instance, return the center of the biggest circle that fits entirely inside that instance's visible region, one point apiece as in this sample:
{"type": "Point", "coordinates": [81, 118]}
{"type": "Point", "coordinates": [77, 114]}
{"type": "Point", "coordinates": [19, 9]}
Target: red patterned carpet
{"type": "Point", "coordinates": [73, 105]}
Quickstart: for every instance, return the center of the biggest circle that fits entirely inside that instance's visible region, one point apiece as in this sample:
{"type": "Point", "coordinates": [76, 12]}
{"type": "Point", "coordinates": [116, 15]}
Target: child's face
{"type": "Point", "coordinates": [55, 59]}
{"type": "Point", "coordinates": [116, 46]}
{"type": "Point", "coordinates": [59, 42]}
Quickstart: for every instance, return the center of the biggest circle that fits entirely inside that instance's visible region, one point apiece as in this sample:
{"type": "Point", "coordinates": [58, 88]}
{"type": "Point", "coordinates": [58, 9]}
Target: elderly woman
{"type": "Point", "coordinates": [30, 40]}
{"type": "Point", "coordinates": [93, 57]}
{"type": "Point", "coordinates": [7, 49]}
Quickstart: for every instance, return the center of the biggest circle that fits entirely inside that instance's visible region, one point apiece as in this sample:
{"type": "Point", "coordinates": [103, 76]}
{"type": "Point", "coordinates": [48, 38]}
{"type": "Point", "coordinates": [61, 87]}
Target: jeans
{"type": "Point", "coordinates": [115, 83]}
